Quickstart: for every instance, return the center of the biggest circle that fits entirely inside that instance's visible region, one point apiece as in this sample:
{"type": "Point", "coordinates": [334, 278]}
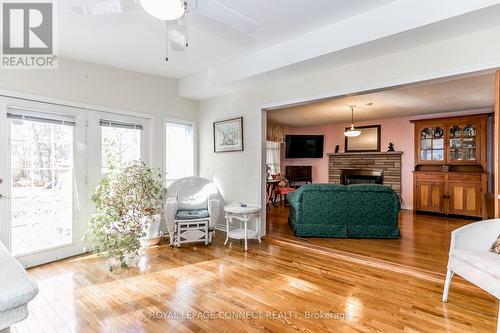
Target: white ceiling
{"type": "Point", "coordinates": [392, 27]}
{"type": "Point", "coordinates": [135, 40]}
{"type": "Point", "coordinates": [468, 93]}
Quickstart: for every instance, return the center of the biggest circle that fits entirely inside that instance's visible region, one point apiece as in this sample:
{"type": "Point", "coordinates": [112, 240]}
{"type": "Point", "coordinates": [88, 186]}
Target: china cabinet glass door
{"type": "Point", "coordinates": [463, 140]}
{"type": "Point", "coordinates": [432, 144]}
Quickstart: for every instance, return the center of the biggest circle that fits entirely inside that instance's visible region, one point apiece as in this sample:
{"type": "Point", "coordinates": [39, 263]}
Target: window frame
{"type": "Point", "coordinates": [164, 144]}
{"type": "Point", "coordinates": [279, 150]}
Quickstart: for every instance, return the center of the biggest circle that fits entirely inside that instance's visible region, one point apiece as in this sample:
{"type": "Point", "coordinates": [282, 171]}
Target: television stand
{"type": "Point", "coordinates": [298, 174]}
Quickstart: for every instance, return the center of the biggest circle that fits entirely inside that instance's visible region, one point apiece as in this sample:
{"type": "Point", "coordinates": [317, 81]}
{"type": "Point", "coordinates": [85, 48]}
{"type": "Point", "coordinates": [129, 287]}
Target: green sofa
{"type": "Point", "coordinates": [353, 211]}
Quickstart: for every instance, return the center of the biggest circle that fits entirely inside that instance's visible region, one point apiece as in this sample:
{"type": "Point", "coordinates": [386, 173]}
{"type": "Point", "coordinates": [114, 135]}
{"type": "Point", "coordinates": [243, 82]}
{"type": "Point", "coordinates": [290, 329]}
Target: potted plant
{"type": "Point", "coordinates": [128, 203]}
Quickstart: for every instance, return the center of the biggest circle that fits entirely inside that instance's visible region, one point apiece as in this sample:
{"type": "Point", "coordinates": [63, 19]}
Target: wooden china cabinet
{"type": "Point", "coordinates": [450, 166]}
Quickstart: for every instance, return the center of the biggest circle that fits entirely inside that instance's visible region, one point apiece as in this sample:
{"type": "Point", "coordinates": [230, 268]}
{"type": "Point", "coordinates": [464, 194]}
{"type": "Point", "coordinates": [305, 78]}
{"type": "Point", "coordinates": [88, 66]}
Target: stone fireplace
{"type": "Point", "coordinates": [355, 168]}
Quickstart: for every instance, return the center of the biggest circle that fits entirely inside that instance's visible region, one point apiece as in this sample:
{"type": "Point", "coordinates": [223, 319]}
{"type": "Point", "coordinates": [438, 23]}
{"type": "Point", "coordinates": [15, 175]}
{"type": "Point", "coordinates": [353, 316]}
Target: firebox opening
{"type": "Point", "coordinates": [361, 176]}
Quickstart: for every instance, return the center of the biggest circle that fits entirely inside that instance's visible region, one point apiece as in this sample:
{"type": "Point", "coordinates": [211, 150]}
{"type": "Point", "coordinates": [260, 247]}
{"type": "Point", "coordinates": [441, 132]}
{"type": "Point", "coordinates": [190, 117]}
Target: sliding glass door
{"type": "Point", "coordinates": [52, 159]}
{"type": "Point", "coordinates": [41, 207]}
{"type": "Point", "coordinates": [41, 186]}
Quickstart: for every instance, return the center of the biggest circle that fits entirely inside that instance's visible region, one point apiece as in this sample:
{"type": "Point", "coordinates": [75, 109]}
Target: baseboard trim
{"type": "Point", "coordinates": [419, 273]}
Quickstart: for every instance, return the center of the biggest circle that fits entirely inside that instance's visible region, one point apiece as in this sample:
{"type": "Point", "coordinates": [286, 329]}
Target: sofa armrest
{"type": "Point", "coordinates": [293, 199]}
{"type": "Point", "coordinates": [475, 236]}
{"type": "Point", "coordinates": [171, 207]}
{"type": "Point", "coordinates": [17, 290]}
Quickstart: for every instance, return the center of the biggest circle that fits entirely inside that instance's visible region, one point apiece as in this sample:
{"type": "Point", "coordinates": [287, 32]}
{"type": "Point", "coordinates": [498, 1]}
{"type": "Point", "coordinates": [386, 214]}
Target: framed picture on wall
{"type": "Point", "coordinates": [228, 135]}
{"type": "Point", "coordinates": [368, 141]}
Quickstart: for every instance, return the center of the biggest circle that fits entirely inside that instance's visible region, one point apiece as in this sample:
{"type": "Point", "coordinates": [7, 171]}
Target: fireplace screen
{"type": "Point", "coordinates": [361, 176]}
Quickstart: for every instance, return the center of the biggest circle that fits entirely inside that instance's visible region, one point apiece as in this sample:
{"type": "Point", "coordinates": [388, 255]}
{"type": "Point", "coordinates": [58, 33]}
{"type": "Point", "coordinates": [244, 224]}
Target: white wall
{"type": "Point", "coordinates": [237, 174]}
{"type": "Point", "coordinates": [96, 85]}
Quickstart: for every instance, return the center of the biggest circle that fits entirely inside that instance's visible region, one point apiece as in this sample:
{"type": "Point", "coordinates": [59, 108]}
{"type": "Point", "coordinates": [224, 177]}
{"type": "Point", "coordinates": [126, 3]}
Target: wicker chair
{"type": "Point", "coordinates": [193, 209]}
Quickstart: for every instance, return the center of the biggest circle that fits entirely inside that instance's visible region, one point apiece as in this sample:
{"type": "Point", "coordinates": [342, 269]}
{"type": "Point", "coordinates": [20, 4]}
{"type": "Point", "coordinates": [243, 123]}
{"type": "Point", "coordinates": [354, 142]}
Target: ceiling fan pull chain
{"type": "Point", "coordinates": [166, 41]}
{"type": "Point", "coordinates": [186, 25]}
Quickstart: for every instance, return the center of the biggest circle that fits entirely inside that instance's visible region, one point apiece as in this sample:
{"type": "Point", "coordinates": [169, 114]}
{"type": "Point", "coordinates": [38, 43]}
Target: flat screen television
{"type": "Point", "coordinates": [304, 146]}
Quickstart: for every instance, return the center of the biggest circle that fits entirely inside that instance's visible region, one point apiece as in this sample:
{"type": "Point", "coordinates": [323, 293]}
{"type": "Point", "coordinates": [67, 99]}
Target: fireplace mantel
{"type": "Point", "coordinates": [368, 153]}
{"type": "Point", "coordinates": [388, 162]}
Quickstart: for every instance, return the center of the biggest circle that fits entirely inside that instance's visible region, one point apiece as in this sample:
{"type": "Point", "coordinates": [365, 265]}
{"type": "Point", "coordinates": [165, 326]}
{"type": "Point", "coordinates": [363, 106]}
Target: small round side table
{"type": "Point", "coordinates": [243, 215]}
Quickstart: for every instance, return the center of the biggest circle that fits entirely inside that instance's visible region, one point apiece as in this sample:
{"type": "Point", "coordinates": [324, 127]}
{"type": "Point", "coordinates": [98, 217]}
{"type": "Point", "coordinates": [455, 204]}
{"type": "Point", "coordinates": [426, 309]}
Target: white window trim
{"type": "Point", "coordinates": [195, 142]}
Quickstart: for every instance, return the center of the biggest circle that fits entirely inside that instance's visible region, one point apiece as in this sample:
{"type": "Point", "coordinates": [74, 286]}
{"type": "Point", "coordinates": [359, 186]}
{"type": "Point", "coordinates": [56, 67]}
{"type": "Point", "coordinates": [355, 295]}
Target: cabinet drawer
{"type": "Point", "coordinates": [430, 176]}
{"type": "Point", "coordinates": [460, 177]}
{"type": "Point", "coordinates": [464, 177]}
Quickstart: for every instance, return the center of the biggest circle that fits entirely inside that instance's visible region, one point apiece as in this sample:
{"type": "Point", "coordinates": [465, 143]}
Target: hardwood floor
{"type": "Point", "coordinates": [423, 246]}
{"type": "Point", "coordinates": [270, 288]}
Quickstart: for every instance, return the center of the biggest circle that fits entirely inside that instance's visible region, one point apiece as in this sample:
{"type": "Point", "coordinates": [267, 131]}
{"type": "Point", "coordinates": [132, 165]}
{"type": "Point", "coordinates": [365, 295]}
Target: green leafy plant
{"type": "Point", "coordinates": [126, 202]}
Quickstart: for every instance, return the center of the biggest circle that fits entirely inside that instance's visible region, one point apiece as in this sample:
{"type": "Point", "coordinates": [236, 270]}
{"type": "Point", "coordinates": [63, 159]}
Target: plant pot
{"type": "Point", "coordinates": [152, 232]}
{"type": "Point", "coordinates": [113, 264]}
{"type": "Point", "coordinates": [146, 242]}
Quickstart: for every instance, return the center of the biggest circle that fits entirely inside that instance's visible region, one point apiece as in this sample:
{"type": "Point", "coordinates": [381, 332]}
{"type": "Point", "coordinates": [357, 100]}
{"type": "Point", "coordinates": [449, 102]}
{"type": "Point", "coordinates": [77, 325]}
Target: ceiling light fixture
{"type": "Point", "coordinates": [167, 10]}
{"type": "Point", "coordinates": [352, 132]}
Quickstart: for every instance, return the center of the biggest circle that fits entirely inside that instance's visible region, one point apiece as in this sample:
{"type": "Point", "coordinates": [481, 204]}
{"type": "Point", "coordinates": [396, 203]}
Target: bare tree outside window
{"type": "Point", "coordinates": [41, 185]}
{"type": "Point", "coordinates": [120, 146]}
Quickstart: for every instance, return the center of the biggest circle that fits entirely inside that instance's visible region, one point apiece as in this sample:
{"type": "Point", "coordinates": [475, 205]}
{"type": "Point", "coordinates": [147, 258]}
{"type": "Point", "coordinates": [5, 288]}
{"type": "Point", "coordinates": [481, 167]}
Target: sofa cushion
{"type": "Point", "coordinates": [369, 188]}
{"type": "Point", "coordinates": [495, 248]}
{"type": "Point", "coordinates": [192, 214]}
{"type": "Point", "coordinates": [485, 261]}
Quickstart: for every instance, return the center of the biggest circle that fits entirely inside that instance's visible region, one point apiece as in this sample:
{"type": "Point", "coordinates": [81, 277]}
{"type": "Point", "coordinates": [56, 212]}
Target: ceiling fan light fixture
{"type": "Point", "coordinates": [167, 10]}
{"type": "Point", "coordinates": [352, 132]}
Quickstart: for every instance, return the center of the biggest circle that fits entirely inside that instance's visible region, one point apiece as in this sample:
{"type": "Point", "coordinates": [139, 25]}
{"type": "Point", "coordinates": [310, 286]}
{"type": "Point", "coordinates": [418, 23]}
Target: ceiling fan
{"type": "Point", "coordinates": [175, 14]}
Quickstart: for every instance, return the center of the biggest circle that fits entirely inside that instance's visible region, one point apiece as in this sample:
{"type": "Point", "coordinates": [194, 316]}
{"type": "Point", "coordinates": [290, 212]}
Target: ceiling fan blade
{"type": "Point", "coordinates": [225, 15]}
{"type": "Point", "coordinates": [105, 7]}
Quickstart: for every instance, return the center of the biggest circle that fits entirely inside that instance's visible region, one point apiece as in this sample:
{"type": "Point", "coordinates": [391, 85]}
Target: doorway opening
{"type": "Point", "coordinates": [397, 111]}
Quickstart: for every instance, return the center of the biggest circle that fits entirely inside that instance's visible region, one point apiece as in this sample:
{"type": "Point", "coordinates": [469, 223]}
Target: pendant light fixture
{"type": "Point", "coordinates": [352, 132]}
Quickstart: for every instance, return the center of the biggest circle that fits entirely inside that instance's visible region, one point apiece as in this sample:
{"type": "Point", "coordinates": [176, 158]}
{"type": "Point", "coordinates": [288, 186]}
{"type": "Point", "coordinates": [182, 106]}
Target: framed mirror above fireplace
{"type": "Point", "coordinates": [367, 141]}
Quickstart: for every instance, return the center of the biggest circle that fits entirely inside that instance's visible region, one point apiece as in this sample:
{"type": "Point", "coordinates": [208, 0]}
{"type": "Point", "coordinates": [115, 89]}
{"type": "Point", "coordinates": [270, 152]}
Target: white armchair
{"type": "Point", "coordinates": [191, 202]}
{"type": "Point", "coordinates": [470, 257]}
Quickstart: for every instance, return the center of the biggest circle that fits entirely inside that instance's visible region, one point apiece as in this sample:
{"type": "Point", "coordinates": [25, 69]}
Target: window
{"type": "Point", "coordinates": [120, 144]}
{"type": "Point", "coordinates": [273, 157]}
{"type": "Point", "coordinates": [179, 154]}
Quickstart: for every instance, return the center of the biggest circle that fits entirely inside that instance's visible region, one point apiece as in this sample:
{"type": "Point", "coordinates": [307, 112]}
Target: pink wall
{"type": "Point", "coordinates": [399, 131]}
